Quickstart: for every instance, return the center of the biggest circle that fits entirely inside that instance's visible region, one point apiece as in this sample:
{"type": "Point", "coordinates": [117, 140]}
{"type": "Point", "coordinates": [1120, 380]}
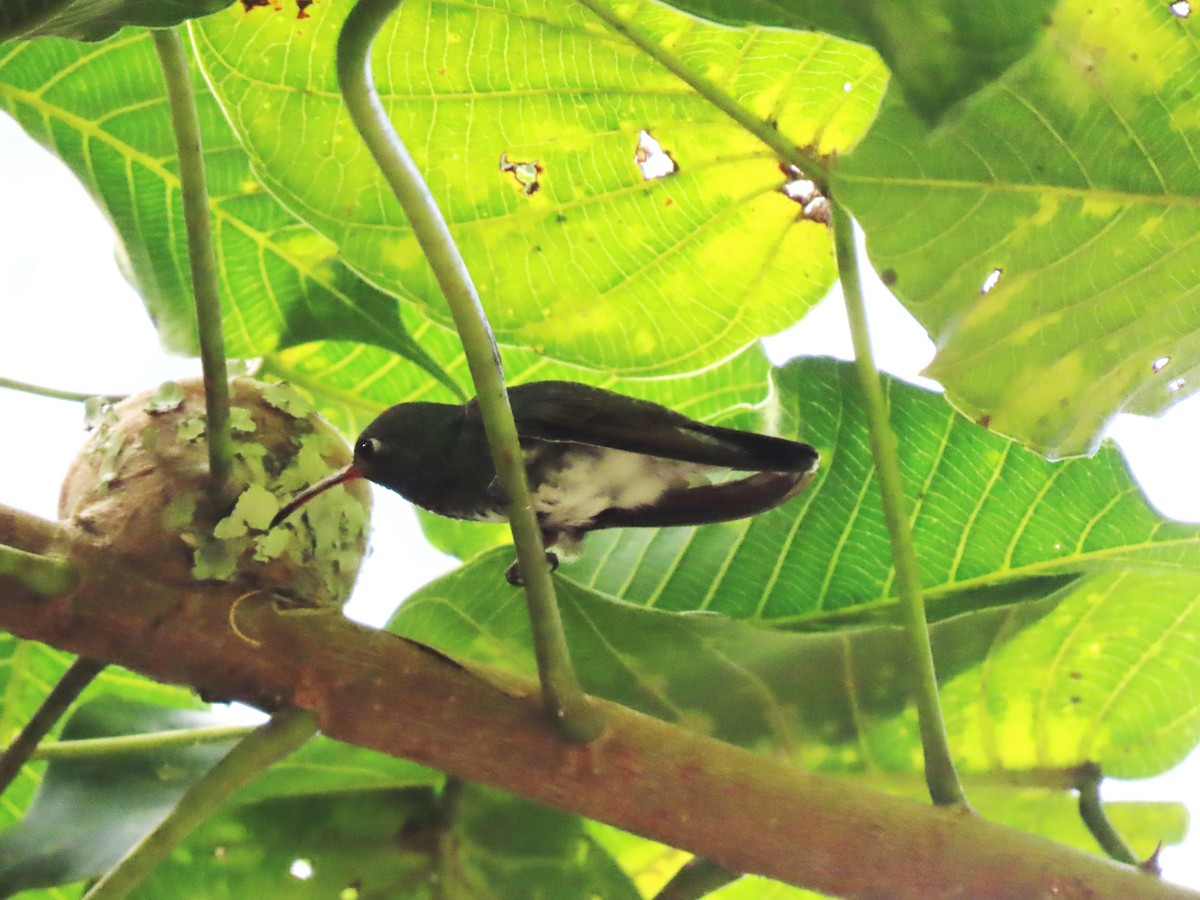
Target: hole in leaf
{"type": "Point", "coordinates": [847, 87]}
{"type": "Point", "coordinates": [992, 280]}
{"type": "Point", "coordinates": [1176, 386]}
{"type": "Point", "coordinates": [1181, 9]}
{"type": "Point", "coordinates": [301, 869]}
{"type": "Point", "coordinates": [652, 159]}
{"type": "Point", "coordinates": [1159, 364]}
{"type": "Point", "coordinates": [525, 173]}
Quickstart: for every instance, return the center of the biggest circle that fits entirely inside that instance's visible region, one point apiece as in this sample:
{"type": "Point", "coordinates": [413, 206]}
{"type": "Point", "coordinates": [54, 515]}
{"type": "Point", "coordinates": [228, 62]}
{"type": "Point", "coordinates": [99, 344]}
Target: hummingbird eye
{"type": "Point", "coordinates": [366, 447]}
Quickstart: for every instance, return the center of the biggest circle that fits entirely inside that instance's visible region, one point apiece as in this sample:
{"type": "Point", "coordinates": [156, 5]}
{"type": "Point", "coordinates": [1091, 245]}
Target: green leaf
{"type": "Point", "coordinates": [328, 767]}
{"type": "Point", "coordinates": [471, 842]}
{"type": "Point", "coordinates": [508, 847]}
{"type": "Point", "coordinates": [102, 109]}
{"type": "Point", "coordinates": [376, 844]}
{"type": "Point", "coordinates": [95, 20]}
{"type": "Point", "coordinates": [1087, 219]}
{"type": "Point", "coordinates": [88, 812]}
{"type": "Point", "coordinates": [28, 671]}
{"type": "Point", "coordinates": [939, 51]}
{"type": "Point", "coordinates": [1109, 676]}
{"type": "Point", "coordinates": [598, 266]}
{"type": "Point", "coordinates": [815, 697]}
{"type": "Point", "coordinates": [985, 512]}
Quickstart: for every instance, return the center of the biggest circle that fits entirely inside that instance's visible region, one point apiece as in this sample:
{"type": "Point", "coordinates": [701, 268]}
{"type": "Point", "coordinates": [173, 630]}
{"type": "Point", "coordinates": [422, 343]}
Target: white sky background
{"type": "Point", "coordinates": [69, 320]}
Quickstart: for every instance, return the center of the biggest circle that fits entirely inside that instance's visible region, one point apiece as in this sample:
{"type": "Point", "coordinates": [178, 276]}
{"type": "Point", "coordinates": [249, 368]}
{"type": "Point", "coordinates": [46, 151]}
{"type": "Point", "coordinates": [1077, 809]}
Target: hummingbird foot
{"type": "Point", "coordinates": [513, 573]}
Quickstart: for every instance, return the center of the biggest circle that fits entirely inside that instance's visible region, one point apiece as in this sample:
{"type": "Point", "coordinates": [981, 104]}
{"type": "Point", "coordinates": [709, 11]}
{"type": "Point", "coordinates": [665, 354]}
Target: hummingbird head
{"type": "Point", "coordinates": [382, 454]}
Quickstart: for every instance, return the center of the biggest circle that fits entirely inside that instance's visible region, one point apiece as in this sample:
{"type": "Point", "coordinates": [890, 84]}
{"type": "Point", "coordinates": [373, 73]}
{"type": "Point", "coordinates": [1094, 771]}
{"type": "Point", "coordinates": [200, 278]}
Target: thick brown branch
{"type": "Point", "coordinates": [746, 812]}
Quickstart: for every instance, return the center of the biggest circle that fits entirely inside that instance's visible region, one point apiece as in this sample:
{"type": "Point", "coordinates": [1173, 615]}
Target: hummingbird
{"type": "Point", "coordinates": [594, 458]}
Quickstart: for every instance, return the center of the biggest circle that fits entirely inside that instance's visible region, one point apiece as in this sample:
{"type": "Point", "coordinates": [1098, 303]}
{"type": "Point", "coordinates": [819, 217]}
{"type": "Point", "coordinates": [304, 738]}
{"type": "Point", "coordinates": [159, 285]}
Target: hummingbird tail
{"type": "Point", "coordinates": [709, 503]}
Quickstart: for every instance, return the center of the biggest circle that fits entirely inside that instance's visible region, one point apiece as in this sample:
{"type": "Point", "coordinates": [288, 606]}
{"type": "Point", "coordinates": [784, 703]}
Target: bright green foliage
{"type": "Point", "coordinates": [1075, 178]}
{"type": "Point", "coordinates": [88, 812]}
{"type": "Point", "coordinates": [598, 267]}
{"type": "Point", "coordinates": [939, 51]}
{"type": "Point", "coordinates": [1051, 144]}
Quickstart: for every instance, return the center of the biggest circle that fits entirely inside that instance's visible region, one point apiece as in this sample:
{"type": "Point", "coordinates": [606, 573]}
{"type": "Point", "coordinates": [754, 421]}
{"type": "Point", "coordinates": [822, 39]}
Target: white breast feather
{"type": "Point", "coordinates": [589, 484]}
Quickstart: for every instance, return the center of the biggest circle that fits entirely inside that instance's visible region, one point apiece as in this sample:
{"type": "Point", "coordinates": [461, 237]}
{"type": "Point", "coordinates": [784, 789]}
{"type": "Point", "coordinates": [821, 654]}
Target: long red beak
{"type": "Point", "coordinates": [350, 473]}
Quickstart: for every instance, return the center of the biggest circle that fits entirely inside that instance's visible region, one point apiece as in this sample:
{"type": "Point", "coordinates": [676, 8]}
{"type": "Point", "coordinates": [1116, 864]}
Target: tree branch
{"type": "Point", "coordinates": [748, 813]}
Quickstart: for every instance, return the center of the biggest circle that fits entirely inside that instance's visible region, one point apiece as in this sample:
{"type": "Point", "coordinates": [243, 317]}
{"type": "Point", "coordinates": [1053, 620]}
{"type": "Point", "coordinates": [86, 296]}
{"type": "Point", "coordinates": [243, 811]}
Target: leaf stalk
{"type": "Point", "coordinates": [193, 189]}
{"type": "Point", "coordinates": [940, 775]}
{"type": "Point", "coordinates": [561, 691]}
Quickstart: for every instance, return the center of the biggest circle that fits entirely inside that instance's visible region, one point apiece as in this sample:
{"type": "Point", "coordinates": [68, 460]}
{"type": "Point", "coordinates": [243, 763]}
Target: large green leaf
{"type": "Point", "coordinates": [94, 20]}
{"type": "Point", "coordinates": [468, 842]}
{"type": "Point", "coordinates": [90, 811]}
{"type": "Point", "coordinates": [28, 671]}
{"type": "Point", "coordinates": [939, 51]}
{"type": "Point", "coordinates": [103, 110]}
{"type": "Point", "coordinates": [1109, 676]}
{"type": "Point", "coordinates": [812, 696]}
{"type": "Point", "coordinates": [597, 266]}
{"type": "Point", "coordinates": [1074, 179]}
{"type": "Point", "coordinates": [379, 844]}
{"type": "Point", "coordinates": [986, 512]}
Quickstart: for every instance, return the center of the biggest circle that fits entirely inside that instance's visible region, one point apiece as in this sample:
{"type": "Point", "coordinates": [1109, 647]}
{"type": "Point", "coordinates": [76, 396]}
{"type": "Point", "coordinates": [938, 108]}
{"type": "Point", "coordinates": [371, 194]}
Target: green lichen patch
{"type": "Point", "coordinates": [109, 450]}
{"type": "Point", "coordinates": [213, 558]}
{"type": "Point", "coordinates": [191, 429]}
{"type": "Point", "coordinates": [167, 398]}
{"type": "Point", "coordinates": [241, 421]}
{"type": "Point", "coordinates": [287, 399]}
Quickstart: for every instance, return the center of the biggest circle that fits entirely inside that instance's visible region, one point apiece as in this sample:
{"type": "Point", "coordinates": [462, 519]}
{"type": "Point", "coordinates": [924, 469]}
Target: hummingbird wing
{"type": "Point", "coordinates": [581, 414]}
{"type": "Point", "coordinates": [708, 503]}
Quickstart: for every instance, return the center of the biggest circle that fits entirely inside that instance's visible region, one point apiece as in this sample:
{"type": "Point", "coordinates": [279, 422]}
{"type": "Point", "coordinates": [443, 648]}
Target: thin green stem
{"type": "Point", "coordinates": [1091, 810]}
{"type": "Point", "coordinates": [53, 393]}
{"type": "Point", "coordinates": [193, 189]}
{"type": "Point", "coordinates": [89, 748]}
{"type": "Point", "coordinates": [50, 576]}
{"type": "Point", "coordinates": [560, 687]}
{"type": "Point", "coordinates": [285, 733]}
{"type": "Point", "coordinates": [808, 163]}
{"type": "Point", "coordinates": [79, 674]}
{"type": "Point", "coordinates": [699, 877]}
{"type": "Point", "coordinates": [940, 775]}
